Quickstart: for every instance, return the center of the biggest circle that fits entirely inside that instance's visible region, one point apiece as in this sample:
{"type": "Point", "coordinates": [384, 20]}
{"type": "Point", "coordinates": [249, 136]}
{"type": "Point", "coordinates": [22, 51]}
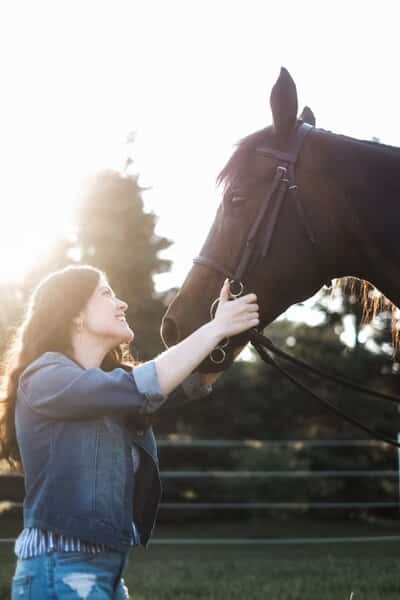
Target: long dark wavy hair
{"type": "Point", "coordinates": [46, 326]}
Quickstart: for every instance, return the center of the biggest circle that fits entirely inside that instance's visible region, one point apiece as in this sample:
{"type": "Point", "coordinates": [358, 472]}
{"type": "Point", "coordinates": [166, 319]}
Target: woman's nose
{"type": "Point", "coordinates": [124, 305]}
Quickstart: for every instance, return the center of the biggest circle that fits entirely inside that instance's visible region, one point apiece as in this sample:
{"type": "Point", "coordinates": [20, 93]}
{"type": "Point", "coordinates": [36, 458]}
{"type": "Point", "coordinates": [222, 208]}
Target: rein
{"type": "Point", "coordinates": [267, 350]}
{"type": "Point", "coordinates": [257, 244]}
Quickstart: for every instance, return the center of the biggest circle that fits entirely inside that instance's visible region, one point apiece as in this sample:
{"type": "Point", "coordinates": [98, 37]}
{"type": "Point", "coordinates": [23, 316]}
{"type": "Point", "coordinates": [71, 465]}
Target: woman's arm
{"type": "Point", "coordinates": [176, 363]}
{"type": "Point", "coordinates": [58, 388]}
{"type": "Point", "coordinates": [231, 317]}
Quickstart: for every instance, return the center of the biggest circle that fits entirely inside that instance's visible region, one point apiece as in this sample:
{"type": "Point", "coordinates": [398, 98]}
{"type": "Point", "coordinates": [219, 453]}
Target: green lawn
{"type": "Point", "coordinates": [301, 572]}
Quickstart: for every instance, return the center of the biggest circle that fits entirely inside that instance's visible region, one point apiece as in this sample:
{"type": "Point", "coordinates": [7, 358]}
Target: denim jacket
{"type": "Point", "coordinates": [75, 430]}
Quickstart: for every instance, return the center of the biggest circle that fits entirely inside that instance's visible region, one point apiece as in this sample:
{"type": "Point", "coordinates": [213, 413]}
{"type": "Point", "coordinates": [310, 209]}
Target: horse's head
{"type": "Point", "coordinates": [293, 252]}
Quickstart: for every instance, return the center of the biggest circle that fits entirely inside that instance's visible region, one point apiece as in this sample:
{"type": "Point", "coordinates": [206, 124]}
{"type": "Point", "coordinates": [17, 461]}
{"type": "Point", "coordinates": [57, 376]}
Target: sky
{"type": "Point", "coordinates": [190, 78]}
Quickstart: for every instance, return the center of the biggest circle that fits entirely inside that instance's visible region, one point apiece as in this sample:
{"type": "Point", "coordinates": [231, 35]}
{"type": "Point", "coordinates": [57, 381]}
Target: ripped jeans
{"type": "Point", "coordinates": [71, 576]}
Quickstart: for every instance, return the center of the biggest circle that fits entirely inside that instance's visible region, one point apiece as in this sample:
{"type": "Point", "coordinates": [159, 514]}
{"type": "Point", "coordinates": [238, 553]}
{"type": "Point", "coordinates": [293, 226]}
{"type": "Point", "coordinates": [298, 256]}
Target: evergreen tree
{"type": "Point", "coordinates": [115, 234]}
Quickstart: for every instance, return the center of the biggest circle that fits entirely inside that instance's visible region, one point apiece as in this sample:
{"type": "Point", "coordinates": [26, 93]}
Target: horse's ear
{"type": "Point", "coordinates": [284, 103]}
{"type": "Point", "coordinates": [308, 116]}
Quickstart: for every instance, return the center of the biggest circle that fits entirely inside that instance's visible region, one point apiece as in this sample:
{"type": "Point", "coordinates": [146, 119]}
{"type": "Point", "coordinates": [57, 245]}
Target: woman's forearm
{"type": "Point", "coordinates": [176, 363]}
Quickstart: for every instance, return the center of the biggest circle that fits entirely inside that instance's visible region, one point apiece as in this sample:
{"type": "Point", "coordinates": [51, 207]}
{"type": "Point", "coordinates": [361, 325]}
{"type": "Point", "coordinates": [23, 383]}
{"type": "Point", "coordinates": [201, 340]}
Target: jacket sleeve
{"type": "Point", "coordinates": [58, 388]}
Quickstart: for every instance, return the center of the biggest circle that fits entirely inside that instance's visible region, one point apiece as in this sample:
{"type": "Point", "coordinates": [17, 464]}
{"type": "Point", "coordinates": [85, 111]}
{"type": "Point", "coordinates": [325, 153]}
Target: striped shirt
{"type": "Point", "coordinates": [34, 541]}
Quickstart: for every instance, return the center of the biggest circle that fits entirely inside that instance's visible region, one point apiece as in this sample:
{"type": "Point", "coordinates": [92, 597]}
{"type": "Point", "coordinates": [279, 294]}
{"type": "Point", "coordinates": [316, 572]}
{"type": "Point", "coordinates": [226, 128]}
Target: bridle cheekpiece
{"type": "Point", "coordinates": [259, 237]}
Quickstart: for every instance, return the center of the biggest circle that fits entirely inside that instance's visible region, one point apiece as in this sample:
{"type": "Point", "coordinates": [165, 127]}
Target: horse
{"type": "Point", "coordinates": [341, 221]}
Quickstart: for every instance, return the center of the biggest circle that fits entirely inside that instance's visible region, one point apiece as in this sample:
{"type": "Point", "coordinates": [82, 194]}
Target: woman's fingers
{"type": "Point", "coordinates": [247, 308]}
{"type": "Point", "coordinates": [251, 308]}
{"type": "Point", "coordinates": [244, 309]}
{"type": "Point", "coordinates": [239, 314]}
{"type": "Point", "coordinates": [247, 298]}
{"type": "Point", "coordinates": [224, 293]}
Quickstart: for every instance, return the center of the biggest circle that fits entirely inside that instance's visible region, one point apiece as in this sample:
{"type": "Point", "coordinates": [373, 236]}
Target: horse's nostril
{"type": "Point", "coordinates": [169, 332]}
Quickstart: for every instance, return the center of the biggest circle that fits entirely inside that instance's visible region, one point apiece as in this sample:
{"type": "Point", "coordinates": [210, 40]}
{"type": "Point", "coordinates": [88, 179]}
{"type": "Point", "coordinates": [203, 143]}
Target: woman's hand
{"type": "Point", "coordinates": [231, 317]}
{"type": "Point", "coordinates": [235, 316]}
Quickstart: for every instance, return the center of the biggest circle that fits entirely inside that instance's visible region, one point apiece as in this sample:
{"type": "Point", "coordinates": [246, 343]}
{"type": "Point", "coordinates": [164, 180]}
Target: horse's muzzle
{"type": "Point", "coordinates": [169, 332]}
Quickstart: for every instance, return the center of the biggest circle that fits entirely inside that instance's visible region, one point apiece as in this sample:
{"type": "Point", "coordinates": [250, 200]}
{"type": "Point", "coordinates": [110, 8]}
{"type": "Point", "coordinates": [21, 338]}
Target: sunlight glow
{"type": "Point", "coordinates": [81, 76]}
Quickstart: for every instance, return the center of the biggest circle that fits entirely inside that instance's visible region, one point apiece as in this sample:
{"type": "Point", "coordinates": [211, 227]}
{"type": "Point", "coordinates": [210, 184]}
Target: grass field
{"type": "Point", "coordinates": [280, 572]}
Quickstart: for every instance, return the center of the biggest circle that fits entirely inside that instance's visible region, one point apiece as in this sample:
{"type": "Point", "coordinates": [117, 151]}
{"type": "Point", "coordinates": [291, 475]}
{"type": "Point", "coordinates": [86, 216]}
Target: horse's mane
{"type": "Point", "coordinates": [245, 146]}
{"type": "Point", "coordinates": [375, 142]}
{"type": "Point", "coordinates": [373, 302]}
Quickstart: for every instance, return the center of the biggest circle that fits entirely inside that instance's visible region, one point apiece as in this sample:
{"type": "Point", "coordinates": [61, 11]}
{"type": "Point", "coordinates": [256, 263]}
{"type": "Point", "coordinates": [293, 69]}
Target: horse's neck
{"type": "Point", "coordinates": [371, 207]}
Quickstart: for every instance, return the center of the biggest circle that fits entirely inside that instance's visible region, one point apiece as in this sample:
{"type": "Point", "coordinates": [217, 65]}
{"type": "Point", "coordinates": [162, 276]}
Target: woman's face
{"type": "Point", "coordinates": [104, 317]}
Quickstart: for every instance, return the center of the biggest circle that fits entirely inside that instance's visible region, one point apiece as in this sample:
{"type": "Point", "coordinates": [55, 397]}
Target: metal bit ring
{"type": "Point", "coordinates": [214, 304]}
{"type": "Point", "coordinates": [217, 360]}
{"type": "Point", "coordinates": [223, 343]}
{"type": "Point", "coordinates": [241, 288]}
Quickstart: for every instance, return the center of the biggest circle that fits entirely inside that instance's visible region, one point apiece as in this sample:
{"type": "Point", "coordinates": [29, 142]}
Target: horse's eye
{"type": "Point", "coordinates": [238, 200]}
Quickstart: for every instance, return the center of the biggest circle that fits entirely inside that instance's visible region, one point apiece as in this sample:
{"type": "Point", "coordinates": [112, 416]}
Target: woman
{"type": "Point", "coordinates": [78, 417]}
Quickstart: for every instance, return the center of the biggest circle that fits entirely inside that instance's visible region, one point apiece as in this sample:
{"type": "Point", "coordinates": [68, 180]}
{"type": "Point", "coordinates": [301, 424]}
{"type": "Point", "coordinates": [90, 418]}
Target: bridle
{"type": "Point", "coordinates": [259, 237]}
{"type": "Point", "coordinates": [257, 244]}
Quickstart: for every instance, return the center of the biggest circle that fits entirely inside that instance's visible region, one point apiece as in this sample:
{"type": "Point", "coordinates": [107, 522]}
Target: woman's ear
{"type": "Point", "coordinates": [78, 322]}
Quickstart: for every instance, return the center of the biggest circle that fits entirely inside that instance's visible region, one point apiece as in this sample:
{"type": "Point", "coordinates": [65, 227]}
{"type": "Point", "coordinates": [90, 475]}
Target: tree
{"type": "Point", "coordinates": [115, 234]}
